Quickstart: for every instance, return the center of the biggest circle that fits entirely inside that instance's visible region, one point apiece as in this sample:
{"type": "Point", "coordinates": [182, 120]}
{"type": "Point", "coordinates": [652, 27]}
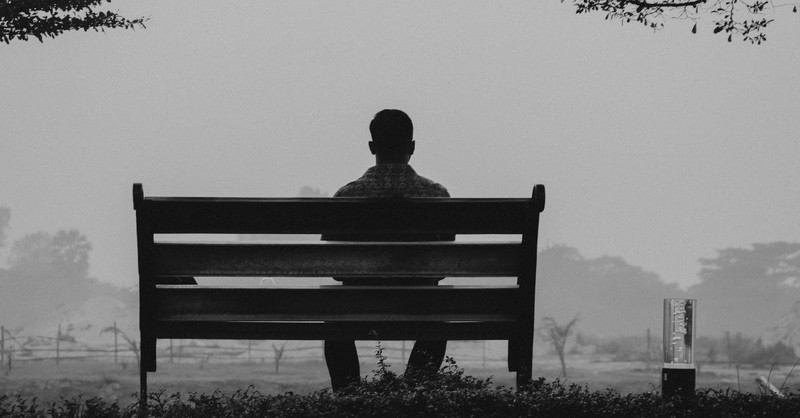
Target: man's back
{"type": "Point", "coordinates": [390, 181]}
{"type": "Point", "coordinates": [392, 178]}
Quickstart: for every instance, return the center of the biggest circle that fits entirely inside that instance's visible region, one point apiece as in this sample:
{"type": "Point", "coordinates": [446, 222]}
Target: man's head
{"type": "Point", "coordinates": [392, 137]}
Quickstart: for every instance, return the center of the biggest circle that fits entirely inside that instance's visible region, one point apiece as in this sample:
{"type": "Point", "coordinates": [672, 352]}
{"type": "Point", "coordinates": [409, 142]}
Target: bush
{"type": "Point", "coordinates": [738, 349]}
{"type": "Point", "coordinates": [779, 353]}
{"type": "Point", "coordinates": [448, 393]}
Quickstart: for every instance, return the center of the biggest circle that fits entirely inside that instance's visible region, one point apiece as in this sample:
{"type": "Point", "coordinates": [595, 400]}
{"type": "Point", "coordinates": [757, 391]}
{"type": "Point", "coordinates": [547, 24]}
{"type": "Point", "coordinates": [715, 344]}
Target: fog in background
{"type": "Point", "coordinates": [657, 148]}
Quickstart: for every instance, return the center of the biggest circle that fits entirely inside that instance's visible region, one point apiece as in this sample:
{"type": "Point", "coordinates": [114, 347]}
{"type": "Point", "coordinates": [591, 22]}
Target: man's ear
{"type": "Point", "coordinates": [411, 147]}
{"type": "Point", "coordinates": [372, 147]}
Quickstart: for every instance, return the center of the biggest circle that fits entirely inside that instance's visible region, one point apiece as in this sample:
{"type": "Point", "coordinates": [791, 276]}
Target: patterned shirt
{"type": "Point", "coordinates": [392, 180]}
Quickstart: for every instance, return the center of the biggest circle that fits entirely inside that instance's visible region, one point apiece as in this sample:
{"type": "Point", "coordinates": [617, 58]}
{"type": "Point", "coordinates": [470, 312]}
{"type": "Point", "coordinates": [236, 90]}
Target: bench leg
{"type": "Point", "coordinates": [148, 350]}
{"type": "Point", "coordinates": [142, 391]}
{"type": "Point", "coordinates": [147, 363]}
{"type": "Point", "coordinates": [513, 363]}
{"type": "Point", "coordinates": [520, 358]}
{"type": "Point", "coordinates": [524, 375]}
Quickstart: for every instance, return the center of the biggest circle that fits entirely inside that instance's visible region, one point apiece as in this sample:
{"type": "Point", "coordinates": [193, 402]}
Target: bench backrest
{"type": "Point", "coordinates": [175, 311]}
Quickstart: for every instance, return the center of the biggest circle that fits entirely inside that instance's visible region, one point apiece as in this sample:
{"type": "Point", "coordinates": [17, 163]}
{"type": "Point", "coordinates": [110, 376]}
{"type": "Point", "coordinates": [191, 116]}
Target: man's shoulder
{"type": "Point", "coordinates": [431, 188]}
{"type": "Point", "coordinates": [392, 180]}
{"type": "Point", "coordinates": [355, 188]}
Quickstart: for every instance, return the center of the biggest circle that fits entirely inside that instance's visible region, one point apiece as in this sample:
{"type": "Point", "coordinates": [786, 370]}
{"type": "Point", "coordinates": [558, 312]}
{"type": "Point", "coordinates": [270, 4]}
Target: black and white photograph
{"type": "Point", "coordinates": [578, 208]}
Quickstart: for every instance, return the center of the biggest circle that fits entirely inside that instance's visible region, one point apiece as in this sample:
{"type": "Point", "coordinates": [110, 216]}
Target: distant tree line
{"type": "Point", "coordinates": [742, 290]}
{"type": "Point", "coordinates": [730, 349]}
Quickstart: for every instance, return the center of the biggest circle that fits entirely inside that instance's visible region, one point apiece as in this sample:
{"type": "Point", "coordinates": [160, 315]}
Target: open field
{"type": "Point", "coordinates": [113, 382]}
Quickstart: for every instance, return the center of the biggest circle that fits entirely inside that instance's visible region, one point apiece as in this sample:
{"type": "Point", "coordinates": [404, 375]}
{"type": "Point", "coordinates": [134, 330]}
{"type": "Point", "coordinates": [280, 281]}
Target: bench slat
{"type": "Point", "coordinates": [335, 215]}
{"type": "Point", "coordinates": [339, 259]}
{"type": "Point", "coordinates": [329, 303]}
{"type": "Point", "coordinates": [335, 330]}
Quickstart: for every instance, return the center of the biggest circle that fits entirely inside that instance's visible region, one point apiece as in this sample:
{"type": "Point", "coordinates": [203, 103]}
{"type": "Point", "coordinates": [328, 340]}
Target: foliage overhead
{"type": "Point", "coordinates": [734, 18]}
{"type": "Point", "coordinates": [21, 19]}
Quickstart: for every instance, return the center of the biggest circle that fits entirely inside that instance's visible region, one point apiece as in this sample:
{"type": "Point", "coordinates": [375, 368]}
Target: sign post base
{"type": "Point", "coordinates": [677, 382]}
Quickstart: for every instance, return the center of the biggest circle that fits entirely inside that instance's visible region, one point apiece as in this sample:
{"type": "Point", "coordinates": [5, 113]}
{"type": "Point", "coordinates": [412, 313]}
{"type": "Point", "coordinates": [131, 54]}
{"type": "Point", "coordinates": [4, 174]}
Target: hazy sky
{"type": "Point", "coordinates": [659, 148]}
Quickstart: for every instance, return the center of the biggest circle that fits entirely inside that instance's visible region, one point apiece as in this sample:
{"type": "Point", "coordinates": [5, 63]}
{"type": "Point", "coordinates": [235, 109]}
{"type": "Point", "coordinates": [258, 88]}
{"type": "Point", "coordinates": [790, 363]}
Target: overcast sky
{"type": "Point", "coordinates": [657, 147]}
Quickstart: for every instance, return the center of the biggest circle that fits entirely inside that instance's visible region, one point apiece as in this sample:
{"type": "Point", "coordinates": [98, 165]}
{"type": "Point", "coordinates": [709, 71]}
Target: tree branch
{"type": "Point", "coordinates": [645, 4]}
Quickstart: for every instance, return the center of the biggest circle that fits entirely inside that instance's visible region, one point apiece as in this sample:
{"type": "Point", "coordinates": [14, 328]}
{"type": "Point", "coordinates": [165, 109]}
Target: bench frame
{"type": "Point", "coordinates": [173, 307]}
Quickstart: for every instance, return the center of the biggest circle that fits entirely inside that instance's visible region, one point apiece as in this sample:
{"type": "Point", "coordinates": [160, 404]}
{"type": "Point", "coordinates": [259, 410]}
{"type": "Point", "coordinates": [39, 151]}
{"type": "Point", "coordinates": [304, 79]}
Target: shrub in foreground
{"type": "Point", "coordinates": [448, 393]}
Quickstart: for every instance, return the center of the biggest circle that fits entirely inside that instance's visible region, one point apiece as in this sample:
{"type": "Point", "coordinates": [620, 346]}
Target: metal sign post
{"type": "Point", "coordinates": [679, 373]}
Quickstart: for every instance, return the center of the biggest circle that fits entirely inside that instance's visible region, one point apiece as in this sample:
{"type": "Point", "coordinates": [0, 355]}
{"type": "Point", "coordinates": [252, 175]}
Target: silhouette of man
{"type": "Point", "coordinates": [391, 176]}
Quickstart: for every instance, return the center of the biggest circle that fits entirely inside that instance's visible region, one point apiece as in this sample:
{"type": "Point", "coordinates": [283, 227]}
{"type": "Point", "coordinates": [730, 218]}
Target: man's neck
{"type": "Point", "coordinates": [392, 160]}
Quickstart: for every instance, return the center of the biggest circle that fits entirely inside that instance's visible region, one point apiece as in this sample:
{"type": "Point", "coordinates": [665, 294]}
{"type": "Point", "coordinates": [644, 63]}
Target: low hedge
{"type": "Point", "coordinates": [448, 393]}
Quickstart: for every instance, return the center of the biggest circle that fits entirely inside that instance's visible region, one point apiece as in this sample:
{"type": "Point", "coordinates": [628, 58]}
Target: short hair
{"type": "Point", "coordinates": [392, 126]}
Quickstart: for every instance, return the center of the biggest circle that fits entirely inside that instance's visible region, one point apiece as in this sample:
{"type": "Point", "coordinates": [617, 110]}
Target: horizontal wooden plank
{"type": "Point", "coordinates": [336, 215]}
{"type": "Point", "coordinates": [336, 330]}
{"type": "Point", "coordinates": [336, 303]}
{"type": "Point", "coordinates": [433, 259]}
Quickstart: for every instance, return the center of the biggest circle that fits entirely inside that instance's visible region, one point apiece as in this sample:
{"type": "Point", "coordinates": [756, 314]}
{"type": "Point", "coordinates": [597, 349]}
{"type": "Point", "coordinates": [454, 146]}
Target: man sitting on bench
{"type": "Point", "coordinates": [391, 177]}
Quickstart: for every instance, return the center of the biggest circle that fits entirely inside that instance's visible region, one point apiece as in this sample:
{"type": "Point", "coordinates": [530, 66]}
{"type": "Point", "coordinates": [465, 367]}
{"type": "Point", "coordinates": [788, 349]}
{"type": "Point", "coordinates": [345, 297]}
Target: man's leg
{"type": "Point", "coordinates": [342, 360]}
{"type": "Point", "coordinates": [427, 356]}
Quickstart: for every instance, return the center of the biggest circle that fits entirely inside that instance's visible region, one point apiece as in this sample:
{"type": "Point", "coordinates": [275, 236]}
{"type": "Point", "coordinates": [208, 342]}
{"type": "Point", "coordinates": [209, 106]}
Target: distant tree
{"type": "Point", "coordinates": [748, 289]}
{"type": "Point", "coordinates": [612, 296]}
{"type": "Point", "coordinates": [21, 19]}
{"type": "Point", "coordinates": [629, 347]}
{"type": "Point", "coordinates": [129, 341]}
{"type": "Point", "coordinates": [557, 335]}
{"type": "Point", "coordinates": [71, 253]}
{"type": "Point", "coordinates": [708, 349]}
{"type": "Point", "coordinates": [745, 20]}
{"type": "Point", "coordinates": [5, 219]}
{"type": "Point", "coordinates": [50, 269]}
{"type": "Point", "coordinates": [66, 252]}
{"type": "Point", "coordinates": [738, 348]}
{"type": "Point", "coordinates": [45, 271]}
{"type": "Point", "coordinates": [278, 355]}
{"type": "Point", "coordinates": [776, 354]}
{"type": "Point", "coordinates": [765, 264]}
{"type": "Point", "coordinates": [308, 191]}
{"type": "Point", "coordinates": [31, 250]}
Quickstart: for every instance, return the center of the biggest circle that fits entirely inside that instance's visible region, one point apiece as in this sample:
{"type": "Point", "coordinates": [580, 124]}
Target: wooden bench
{"type": "Point", "coordinates": [173, 307]}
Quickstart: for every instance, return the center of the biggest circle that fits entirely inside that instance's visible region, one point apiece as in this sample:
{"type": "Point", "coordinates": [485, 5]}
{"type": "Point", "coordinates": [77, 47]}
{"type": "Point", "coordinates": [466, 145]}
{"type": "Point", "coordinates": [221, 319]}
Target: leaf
{"type": "Point", "coordinates": [694, 28]}
{"type": "Point", "coordinates": [718, 29]}
{"type": "Point", "coordinates": [730, 37]}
